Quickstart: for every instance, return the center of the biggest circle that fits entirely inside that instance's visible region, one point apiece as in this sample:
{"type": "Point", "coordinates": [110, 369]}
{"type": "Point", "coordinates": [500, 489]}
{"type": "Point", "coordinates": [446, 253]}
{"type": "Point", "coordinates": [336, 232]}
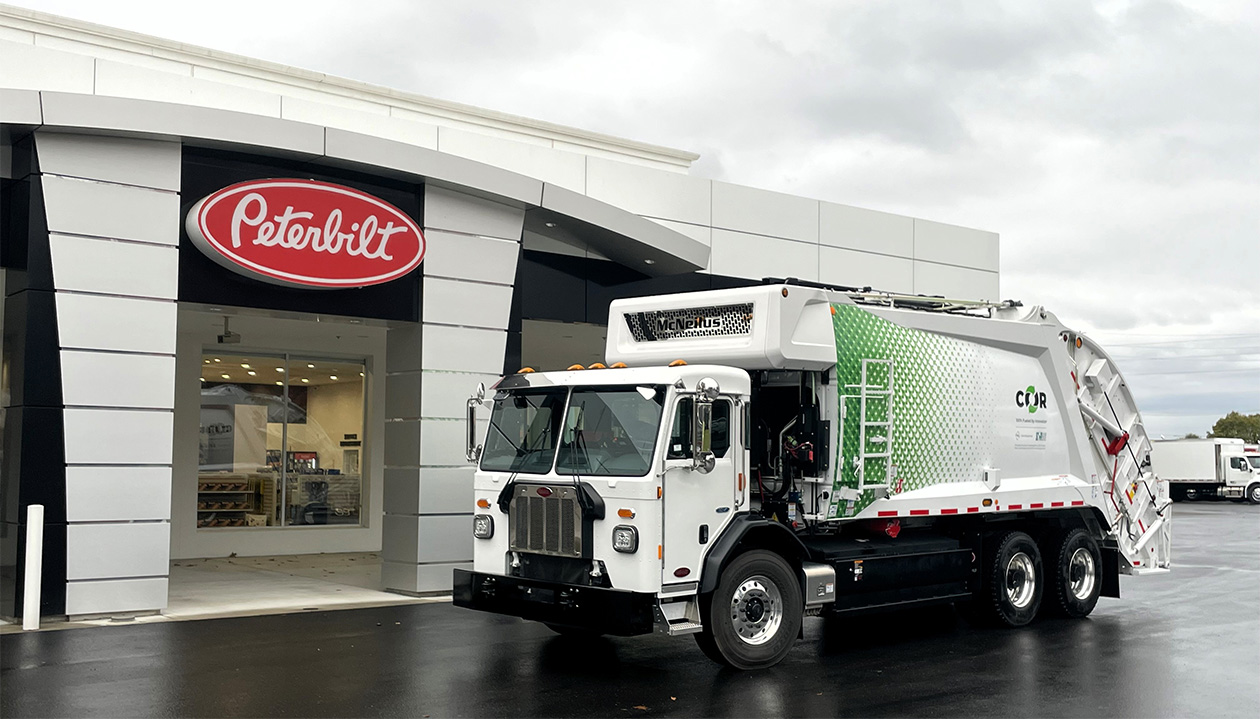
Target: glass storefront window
{"type": "Point", "coordinates": [281, 441]}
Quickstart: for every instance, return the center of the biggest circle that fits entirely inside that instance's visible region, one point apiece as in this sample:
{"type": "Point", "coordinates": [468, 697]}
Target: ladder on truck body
{"type": "Point", "coordinates": [871, 397]}
{"type": "Point", "coordinates": [1136, 500]}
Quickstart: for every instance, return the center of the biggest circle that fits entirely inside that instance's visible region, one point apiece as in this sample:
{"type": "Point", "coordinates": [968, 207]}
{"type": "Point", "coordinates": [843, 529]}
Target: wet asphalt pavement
{"type": "Point", "coordinates": [1181, 644]}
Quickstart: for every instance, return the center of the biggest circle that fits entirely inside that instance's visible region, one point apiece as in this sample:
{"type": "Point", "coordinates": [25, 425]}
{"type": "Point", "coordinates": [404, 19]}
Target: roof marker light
{"type": "Point", "coordinates": [617, 365]}
{"type": "Point", "coordinates": [678, 363]}
{"type": "Point", "coordinates": [598, 365]}
{"type": "Point", "coordinates": [525, 370]}
{"type": "Point", "coordinates": [575, 367]}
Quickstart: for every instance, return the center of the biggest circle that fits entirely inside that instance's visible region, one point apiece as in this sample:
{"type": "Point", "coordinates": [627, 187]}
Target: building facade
{"type": "Point", "coordinates": [162, 402]}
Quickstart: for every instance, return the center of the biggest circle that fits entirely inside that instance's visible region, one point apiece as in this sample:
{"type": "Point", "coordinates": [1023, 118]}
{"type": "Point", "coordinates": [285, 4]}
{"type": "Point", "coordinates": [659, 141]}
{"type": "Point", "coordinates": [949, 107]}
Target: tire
{"type": "Point", "coordinates": [754, 616]}
{"type": "Point", "coordinates": [1192, 494]}
{"type": "Point", "coordinates": [1013, 581]}
{"type": "Point", "coordinates": [1253, 493]}
{"type": "Point", "coordinates": [1177, 494]}
{"type": "Point", "coordinates": [1076, 576]}
{"type": "Point", "coordinates": [575, 632]}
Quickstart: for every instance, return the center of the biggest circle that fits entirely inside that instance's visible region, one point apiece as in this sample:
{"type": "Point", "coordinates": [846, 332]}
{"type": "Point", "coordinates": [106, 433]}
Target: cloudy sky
{"type": "Point", "coordinates": [1114, 145]}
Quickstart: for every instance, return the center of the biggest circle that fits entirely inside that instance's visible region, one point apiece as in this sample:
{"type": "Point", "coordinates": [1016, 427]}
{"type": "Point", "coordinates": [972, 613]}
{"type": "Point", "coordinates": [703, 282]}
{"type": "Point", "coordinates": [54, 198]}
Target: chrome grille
{"type": "Point", "coordinates": [546, 525]}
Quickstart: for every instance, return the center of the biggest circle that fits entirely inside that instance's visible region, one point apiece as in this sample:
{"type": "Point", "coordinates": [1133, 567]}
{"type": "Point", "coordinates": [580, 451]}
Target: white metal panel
{"type": "Point", "coordinates": [862, 269]}
{"type": "Point", "coordinates": [471, 304]}
{"type": "Point", "coordinates": [412, 577]}
{"type": "Point", "coordinates": [463, 349]}
{"type": "Point", "coordinates": [27, 67]}
{"type": "Point", "coordinates": [99, 551]}
{"type": "Point", "coordinates": [116, 595]}
{"type": "Point", "coordinates": [116, 323]}
{"type": "Point", "coordinates": [856, 228]}
{"type": "Point", "coordinates": [113, 267]}
{"type": "Point", "coordinates": [762, 212]}
{"type": "Point", "coordinates": [565, 169]}
{"type": "Point", "coordinates": [20, 107]}
{"type": "Point", "coordinates": [458, 212]}
{"type": "Point", "coordinates": [369, 119]}
{"type": "Point", "coordinates": [116, 436]}
{"type": "Point", "coordinates": [741, 255]}
{"type": "Point", "coordinates": [102, 50]}
{"type": "Point", "coordinates": [85, 207]}
{"type": "Point", "coordinates": [649, 191]}
{"type": "Point", "coordinates": [146, 163]}
{"type": "Point", "coordinates": [125, 80]}
{"type": "Point", "coordinates": [446, 537]}
{"type": "Point", "coordinates": [953, 245]}
{"type": "Point", "coordinates": [446, 490]}
{"type": "Point", "coordinates": [444, 393]}
{"type": "Point", "coordinates": [108, 379]}
{"type": "Point", "coordinates": [469, 257]}
{"type": "Point", "coordinates": [699, 233]}
{"type": "Point", "coordinates": [444, 441]}
{"type": "Point", "coordinates": [955, 282]}
{"type": "Point", "coordinates": [105, 494]}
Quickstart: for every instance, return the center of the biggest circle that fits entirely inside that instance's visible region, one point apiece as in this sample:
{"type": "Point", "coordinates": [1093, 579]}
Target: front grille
{"type": "Point", "coordinates": [546, 525]}
{"type": "Point", "coordinates": [714, 321]}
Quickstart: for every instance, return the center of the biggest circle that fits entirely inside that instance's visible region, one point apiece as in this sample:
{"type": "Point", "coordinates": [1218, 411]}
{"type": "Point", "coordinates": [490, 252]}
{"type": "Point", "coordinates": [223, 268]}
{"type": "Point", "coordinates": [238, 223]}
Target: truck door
{"type": "Point", "coordinates": [697, 505]}
{"type": "Point", "coordinates": [1237, 472]}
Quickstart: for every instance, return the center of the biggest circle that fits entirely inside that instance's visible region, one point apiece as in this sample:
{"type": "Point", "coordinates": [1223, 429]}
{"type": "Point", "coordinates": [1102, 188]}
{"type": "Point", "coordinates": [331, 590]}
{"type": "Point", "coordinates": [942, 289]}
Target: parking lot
{"type": "Point", "coordinates": [1181, 644]}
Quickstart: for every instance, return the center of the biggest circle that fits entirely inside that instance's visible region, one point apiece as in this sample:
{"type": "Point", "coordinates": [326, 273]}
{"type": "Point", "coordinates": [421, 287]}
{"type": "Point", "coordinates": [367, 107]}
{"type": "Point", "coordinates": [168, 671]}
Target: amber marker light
{"type": "Point", "coordinates": [525, 370]}
{"type": "Point", "coordinates": [483, 503]}
{"type": "Point", "coordinates": [625, 513]}
{"type": "Point", "coordinates": [618, 365]}
{"type": "Point", "coordinates": [987, 503]}
{"type": "Point", "coordinates": [575, 367]}
{"type": "Point", "coordinates": [678, 363]}
{"type": "Point", "coordinates": [598, 365]}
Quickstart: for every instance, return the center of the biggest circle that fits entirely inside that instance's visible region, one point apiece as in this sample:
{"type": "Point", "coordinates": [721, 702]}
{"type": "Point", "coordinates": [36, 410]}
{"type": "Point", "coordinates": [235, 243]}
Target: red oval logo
{"type": "Point", "coordinates": [304, 233]}
{"type": "Point", "coordinates": [544, 492]}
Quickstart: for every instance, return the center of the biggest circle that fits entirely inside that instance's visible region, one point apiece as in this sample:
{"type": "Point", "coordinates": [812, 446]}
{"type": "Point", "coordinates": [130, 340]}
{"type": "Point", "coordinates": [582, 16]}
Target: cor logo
{"type": "Point", "coordinates": [1030, 398]}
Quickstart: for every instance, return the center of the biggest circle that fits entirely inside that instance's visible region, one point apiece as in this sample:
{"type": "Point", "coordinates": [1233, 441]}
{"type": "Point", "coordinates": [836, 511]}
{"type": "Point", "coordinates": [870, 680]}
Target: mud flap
{"type": "Point", "coordinates": [1110, 572]}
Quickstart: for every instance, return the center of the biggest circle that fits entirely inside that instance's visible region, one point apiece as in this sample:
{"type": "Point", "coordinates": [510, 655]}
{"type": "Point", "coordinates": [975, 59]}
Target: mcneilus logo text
{"type": "Point", "coordinates": [682, 324]}
{"type": "Point", "coordinates": [1030, 398]}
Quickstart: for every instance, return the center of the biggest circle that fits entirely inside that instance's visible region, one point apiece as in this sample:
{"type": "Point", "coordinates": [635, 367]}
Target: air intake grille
{"type": "Point", "coordinates": [715, 321]}
{"type": "Point", "coordinates": [550, 524]}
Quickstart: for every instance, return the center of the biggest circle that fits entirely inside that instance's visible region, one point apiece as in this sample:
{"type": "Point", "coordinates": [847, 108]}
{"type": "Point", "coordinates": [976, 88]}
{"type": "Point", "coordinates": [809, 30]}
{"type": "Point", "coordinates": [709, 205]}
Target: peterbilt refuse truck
{"type": "Point", "coordinates": [751, 456]}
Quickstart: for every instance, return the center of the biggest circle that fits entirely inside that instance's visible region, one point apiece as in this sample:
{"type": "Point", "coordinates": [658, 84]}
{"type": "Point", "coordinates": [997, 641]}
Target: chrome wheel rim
{"type": "Point", "coordinates": [1021, 580]}
{"type": "Point", "coordinates": [756, 610]}
{"type": "Point", "coordinates": [1082, 574]}
{"type": "Point", "coordinates": [1255, 493]}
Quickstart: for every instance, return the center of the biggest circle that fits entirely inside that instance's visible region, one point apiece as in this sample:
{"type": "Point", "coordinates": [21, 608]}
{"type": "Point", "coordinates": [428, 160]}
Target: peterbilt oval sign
{"type": "Point", "coordinates": [304, 233]}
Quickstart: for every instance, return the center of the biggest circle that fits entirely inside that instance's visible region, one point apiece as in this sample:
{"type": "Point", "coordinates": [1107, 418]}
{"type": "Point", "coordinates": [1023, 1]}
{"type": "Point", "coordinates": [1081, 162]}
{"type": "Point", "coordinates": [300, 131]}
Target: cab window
{"type": "Point", "coordinates": [680, 432]}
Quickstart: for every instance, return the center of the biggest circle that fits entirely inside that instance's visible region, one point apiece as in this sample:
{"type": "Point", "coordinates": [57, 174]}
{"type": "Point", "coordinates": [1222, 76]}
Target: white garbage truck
{"type": "Point", "coordinates": [752, 456]}
{"type": "Point", "coordinates": [1216, 467]}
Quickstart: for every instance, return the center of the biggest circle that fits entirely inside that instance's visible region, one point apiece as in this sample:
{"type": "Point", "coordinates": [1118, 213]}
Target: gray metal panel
{"type": "Point", "coordinates": [402, 396]}
{"type": "Point", "coordinates": [20, 107]}
{"type": "Point", "coordinates": [98, 551]}
{"type": "Point", "coordinates": [116, 595]}
{"type": "Point", "coordinates": [402, 443]}
{"type": "Point", "coordinates": [204, 125]}
{"type": "Point", "coordinates": [104, 266]}
{"type": "Point", "coordinates": [461, 212]}
{"type": "Point", "coordinates": [112, 494]}
{"type": "Point", "coordinates": [402, 348]}
{"type": "Point", "coordinates": [146, 163]}
{"type": "Point", "coordinates": [620, 235]}
{"type": "Point", "coordinates": [103, 209]}
{"type": "Point", "coordinates": [402, 490]}
{"type": "Point", "coordinates": [351, 147]}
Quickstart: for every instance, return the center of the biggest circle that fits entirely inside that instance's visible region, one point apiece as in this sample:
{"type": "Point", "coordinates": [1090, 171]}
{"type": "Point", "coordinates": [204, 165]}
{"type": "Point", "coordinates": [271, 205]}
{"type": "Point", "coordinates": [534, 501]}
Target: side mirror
{"type": "Point", "coordinates": [702, 456]}
{"type": "Point", "coordinates": [473, 450]}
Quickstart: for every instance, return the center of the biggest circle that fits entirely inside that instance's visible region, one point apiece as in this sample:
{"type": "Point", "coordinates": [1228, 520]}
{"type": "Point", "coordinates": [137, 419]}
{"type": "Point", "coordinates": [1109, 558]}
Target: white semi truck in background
{"type": "Point", "coordinates": [1208, 468]}
{"type": "Point", "coordinates": [752, 456]}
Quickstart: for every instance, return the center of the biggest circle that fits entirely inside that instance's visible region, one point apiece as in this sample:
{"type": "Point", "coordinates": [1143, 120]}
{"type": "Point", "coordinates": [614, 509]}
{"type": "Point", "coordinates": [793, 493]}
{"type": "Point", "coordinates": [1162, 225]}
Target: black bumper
{"type": "Point", "coordinates": [607, 611]}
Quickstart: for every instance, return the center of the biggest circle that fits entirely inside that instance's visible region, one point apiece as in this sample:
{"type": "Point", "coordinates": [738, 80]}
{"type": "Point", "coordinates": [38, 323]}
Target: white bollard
{"type": "Point", "coordinates": [34, 566]}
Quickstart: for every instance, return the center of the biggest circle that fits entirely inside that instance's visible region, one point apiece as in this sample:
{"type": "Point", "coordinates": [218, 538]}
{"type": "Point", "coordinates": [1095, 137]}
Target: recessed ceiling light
{"type": "Point", "coordinates": [550, 224]}
{"type": "Point", "coordinates": [332, 377]}
{"type": "Point", "coordinates": [310, 366]}
{"type": "Point", "coordinates": [279, 382]}
{"type": "Point", "coordinates": [360, 374]}
{"type": "Point", "coordinates": [216, 359]}
{"type": "Point", "coordinates": [245, 365]}
{"type": "Point", "coordinates": [305, 380]}
{"type": "Point", "coordinates": [203, 379]}
{"type": "Point", "coordinates": [650, 261]}
{"type": "Point", "coordinates": [227, 376]}
{"type": "Point", "coordinates": [279, 369]}
{"type": "Point", "coordinates": [206, 361]}
{"type": "Point", "coordinates": [251, 373]}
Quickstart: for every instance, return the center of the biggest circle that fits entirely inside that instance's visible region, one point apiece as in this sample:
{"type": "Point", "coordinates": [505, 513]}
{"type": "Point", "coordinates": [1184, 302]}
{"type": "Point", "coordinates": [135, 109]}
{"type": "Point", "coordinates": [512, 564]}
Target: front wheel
{"type": "Point", "coordinates": [1253, 493]}
{"type": "Point", "coordinates": [754, 615]}
{"type": "Point", "coordinates": [1077, 574]}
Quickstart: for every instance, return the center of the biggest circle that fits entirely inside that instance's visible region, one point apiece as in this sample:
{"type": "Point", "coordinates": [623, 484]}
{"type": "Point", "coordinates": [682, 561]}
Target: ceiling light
{"type": "Point", "coordinates": [650, 261]}
{"type": "Point", "coordinates": [245, 365]}
{"type": "Point", "coordinates": [251, 373]}
{"type": "Point", "coordinates": [360, 374]}
{"type": "Point", "coordinates": [310, 366]}
{"type": "Point", "coordinates": [227, 376]}
{"type": "Point", "coordinates": [550, 224]}
{"type": "Point", "coordinates": [305, 380]}
{"type": "Point", "coordinates": [206, 361]}
{"type": "Point", "coordinates": [332, 377]}
{"type": "Point", "coordinates": [279, 382]}
{"type": "Point", "coordinates": [216, 359]}
{"type": "Point", "coordinates": [279, 369]}
{"type": "Point", "coordinates": [203, 379]}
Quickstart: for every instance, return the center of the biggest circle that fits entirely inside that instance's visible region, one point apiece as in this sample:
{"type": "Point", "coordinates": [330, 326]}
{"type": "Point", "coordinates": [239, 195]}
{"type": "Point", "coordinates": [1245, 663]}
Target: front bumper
{"type": "Point", "coordinates": [607, 611]}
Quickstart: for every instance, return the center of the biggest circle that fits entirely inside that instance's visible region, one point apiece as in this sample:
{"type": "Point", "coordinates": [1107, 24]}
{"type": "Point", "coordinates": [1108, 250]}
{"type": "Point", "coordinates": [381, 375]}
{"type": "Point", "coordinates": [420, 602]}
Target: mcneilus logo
{"type": "Point", "coordinates": [669, 325]}
{"type": "Point", "coordinates": [1030, 398]}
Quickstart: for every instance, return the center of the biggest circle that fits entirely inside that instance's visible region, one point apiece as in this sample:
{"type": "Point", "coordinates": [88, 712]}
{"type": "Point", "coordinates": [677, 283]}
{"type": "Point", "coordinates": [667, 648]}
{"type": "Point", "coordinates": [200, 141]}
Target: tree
{"type": "Point", "coordinates": [1241, 426]}
{"type": "Point", "coordinates": [1191, 435]}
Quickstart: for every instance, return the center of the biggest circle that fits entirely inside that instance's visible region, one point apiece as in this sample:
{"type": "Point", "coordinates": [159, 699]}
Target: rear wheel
{"type": "Point", "coordinates": [1013, 586]}
{"type": "Point", "coordinates": [1191, 494]}
{"type": "Point", "coordinates": [754, 615]}
{"type": "Point", "coordinates": [1076, 576]}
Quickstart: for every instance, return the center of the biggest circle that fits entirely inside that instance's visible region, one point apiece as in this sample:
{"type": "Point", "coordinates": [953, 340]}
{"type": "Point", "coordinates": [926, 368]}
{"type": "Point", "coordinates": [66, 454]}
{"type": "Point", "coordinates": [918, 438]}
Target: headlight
{"type": "Point", "coordinates": [625, 539]}
{"type": "Point", "coordinates": [483, 526]}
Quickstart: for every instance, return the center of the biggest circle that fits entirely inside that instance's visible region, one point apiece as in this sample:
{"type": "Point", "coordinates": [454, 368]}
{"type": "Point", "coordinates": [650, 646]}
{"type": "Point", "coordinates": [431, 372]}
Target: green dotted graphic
{"type": "Point", "coordinates": [943, 424]}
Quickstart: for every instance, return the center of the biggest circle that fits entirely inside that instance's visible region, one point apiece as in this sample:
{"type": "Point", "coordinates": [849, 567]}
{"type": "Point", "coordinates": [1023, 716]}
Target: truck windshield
{"type": "Point", "coordinates": [524, 425]}
{"type": "Point", "coordinates": [1255, 463]}
{"type": "Point", "coordinates": [611, 431]}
